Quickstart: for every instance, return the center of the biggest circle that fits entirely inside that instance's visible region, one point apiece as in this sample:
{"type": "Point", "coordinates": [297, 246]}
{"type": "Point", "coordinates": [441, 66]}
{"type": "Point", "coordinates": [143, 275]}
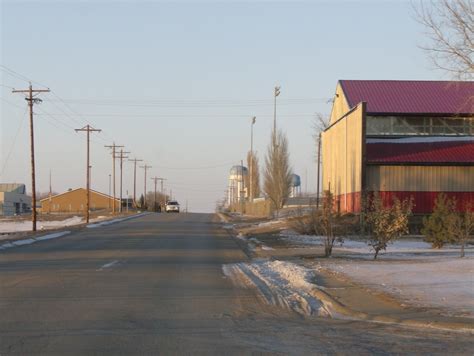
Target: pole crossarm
{"type": "Point", "coordinates": [31, 99]}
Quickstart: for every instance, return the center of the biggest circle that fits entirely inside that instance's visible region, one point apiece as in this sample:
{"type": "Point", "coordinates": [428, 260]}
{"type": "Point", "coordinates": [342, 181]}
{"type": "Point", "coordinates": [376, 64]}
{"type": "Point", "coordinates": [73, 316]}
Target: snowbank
{"type": "Point", "coordinates": [281, 283]}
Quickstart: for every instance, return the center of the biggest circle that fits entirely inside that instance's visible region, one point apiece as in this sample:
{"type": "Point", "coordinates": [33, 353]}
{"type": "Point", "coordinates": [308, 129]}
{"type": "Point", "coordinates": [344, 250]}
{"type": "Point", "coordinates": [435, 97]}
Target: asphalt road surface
{"type": "Point", "coordinates": [154, 285]}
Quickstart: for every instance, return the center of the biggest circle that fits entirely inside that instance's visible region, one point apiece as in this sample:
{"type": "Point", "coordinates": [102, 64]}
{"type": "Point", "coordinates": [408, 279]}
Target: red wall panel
{"type": "Point", "coordinates": [423, 201]}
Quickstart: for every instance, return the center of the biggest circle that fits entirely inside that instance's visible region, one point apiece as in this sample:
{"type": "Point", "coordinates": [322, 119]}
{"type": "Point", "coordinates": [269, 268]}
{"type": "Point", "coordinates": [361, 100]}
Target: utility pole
{"type": "Point", "coordinates": [114, 153]}
{"type": "Point", "coordinates": [251, 158]}
{"type": "Point", "coordinates": [31, 99]}
{"type": "Point", "coordinates": [155, 179]}
{"type": "Point", "coordinates": [88, 129]}
{"type": "Point", "coordinates": [318, 170]}
{"type": "Point", "coordinates": [121, 157]}
{"type": "Point", "coordinates": [50, 192]}
{"type": "Point", "coordinates": [145, 167]}
{"type": "Point", "coordinates": [135, 179]}
{"type": "Point", "coordinates": [162, 179]}
{"type": "Point", "coordinates": [110, 180]}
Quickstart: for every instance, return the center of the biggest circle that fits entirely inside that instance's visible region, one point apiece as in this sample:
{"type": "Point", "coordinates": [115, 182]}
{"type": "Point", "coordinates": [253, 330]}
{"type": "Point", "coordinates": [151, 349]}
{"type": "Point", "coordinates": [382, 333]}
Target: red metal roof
{"type": "Point", "coordinates": [411, 97]}
{"type": "Point", "coordinates": [440, 152]}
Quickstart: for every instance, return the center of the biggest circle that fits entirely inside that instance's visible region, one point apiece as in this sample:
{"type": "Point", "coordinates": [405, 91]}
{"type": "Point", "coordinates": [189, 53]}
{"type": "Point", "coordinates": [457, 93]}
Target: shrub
{"type": "Point", "coordinates": [437, 227]}
{"type": "Point", "coordinates": [386, 223]}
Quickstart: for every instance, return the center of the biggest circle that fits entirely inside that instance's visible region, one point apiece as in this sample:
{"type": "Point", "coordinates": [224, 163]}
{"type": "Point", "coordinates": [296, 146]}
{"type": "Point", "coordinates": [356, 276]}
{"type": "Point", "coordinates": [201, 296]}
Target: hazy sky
{"type": "Point", "coordinates": [177, 83]}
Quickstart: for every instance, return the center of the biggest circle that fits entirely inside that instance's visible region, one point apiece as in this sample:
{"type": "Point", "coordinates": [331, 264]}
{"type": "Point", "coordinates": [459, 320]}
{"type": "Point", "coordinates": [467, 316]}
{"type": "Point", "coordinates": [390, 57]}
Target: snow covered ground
{"type": "Point", "coordinates": [8, 226]}
{"type": "Point", "coordinates": [441, 282]}
{"type": "Point", "coordinates": [409, 270]}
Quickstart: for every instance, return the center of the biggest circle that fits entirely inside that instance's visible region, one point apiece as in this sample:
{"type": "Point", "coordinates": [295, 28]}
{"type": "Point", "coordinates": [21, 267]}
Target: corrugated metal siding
{"type": "Point", "coordinates": [421, 178]}
{"type": "Point", "coordinates": [411, 97]}
{"type": "Point", "coordinates": [342, 155]}
{"type": "Point", "coordinates": [424, 201]}
{"type": "Point", "coordinates": [423, 152]}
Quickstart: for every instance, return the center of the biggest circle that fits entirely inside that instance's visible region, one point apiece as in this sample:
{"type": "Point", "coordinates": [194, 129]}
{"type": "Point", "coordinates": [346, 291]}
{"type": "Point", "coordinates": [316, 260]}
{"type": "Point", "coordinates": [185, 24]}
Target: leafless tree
{"type": "Point", "coordinates": [254, 175]}
{"type": "Point", "coordinates": [277, 177]}
{"type": "Point", "coordinates": [450, 28]}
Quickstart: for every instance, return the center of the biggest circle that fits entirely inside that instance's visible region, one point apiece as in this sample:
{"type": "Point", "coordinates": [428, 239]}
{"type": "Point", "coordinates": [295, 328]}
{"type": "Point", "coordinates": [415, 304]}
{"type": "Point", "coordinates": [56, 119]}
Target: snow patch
{"type": "Point", "coordinates": [33, 240]}
{"type": "Point", "coordinates": [25, 225]}
{"type": "Point", "coordinates": [280, 283]}
{"type": "Point", "coordinates": [113, 221]}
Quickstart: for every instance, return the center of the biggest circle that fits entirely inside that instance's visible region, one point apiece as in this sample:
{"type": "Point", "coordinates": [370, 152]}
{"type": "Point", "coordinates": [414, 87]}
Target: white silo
{"type": "Point", "coordinates": [237, 190]}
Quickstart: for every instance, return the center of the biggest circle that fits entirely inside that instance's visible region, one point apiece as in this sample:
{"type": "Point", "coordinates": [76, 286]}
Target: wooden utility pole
{"type": "Point", "coordinates": [88, 129]}
{"type": "Point", "coordinates": [31, 99]}
{"type": "Point", "coordinates": [145, 167]}
{"type": "Point", "coordinates": [155, 179]}
{"type": "Point", "coordinates": [121, 157]}
{"type": "Point", "coordinates": [162, 195]}
{"type": "Point", "coordinates": [135, 179]}
{"type": "Point", "coordinates": [114, 153]}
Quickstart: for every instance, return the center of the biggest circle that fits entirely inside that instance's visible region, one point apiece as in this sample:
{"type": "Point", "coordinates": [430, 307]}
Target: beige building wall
{"type": "Point", "coordinates": [342, 151]}
{"type": "Point", "coordinates": [75, 202]}
{"type": "Point", "coordinates": [340, 106]}
{"type": "Point", "coordinates": [421, 178]}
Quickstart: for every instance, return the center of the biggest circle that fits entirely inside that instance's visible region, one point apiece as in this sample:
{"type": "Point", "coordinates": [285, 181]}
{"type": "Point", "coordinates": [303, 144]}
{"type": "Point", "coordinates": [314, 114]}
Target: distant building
{"type": "Point", "coordinates": [237, 191]}
{"type": "Point", "coordinates": [74, 201]}
{"type": "Point", "coordinates": [13, 199]}
{"type": "Point", "coordinates": [400, 138]}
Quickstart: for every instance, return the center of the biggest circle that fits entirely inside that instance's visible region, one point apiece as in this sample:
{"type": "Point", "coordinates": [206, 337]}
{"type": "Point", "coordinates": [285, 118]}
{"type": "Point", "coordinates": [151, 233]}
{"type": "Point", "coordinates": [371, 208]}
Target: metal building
{"type": "Point", "coordinates": [400, 138]}
{"type": "Point", "coordinates": [74, 201]}
{"type": "Point", "coordinates": [13, 199]}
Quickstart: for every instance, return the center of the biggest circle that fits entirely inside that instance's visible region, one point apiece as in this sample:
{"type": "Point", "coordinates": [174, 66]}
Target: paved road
{"type": "Point", "coordinates": [154, 285]}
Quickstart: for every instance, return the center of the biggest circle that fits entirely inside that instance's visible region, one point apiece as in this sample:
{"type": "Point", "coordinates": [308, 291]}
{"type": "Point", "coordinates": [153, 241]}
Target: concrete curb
{"type": "Point", "coordinates": [33, 240]}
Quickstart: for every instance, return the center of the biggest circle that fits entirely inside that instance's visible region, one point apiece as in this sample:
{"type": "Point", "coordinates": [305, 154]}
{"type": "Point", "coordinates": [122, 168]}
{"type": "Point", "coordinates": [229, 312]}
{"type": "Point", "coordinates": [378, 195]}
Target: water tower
{"type": "Point", "coordinates": [295, 186]}
{"type": "Point", "coordinates": [237, 189]}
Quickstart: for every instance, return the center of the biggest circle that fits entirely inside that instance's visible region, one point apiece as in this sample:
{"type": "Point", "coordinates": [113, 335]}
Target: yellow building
{"type": "Point", "coordinates": [405, 139]}
{"type": "Point", "coordinates": [74, 201]}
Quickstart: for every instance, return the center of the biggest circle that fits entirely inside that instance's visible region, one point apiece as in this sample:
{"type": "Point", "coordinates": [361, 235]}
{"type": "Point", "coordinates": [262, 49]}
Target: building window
{"type": "Point", "coordinates": [419, 126]}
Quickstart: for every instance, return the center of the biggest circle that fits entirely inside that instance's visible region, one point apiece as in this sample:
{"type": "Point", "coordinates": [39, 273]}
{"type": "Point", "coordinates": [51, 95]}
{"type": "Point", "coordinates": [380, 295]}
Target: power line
{"type": "Point", "coordinates": [14, 141]}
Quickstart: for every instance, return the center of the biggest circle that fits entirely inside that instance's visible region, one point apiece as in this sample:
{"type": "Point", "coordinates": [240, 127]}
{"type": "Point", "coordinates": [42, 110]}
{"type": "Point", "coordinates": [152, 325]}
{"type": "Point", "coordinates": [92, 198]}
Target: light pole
{"type": "Point", "coordinates": [275, 94]}
{"type": "Point", "coordinates": [251, 158]}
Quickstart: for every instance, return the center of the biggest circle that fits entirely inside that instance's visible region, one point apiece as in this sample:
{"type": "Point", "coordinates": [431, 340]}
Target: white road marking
{"type": "Point", "coordinates": [108, 265]}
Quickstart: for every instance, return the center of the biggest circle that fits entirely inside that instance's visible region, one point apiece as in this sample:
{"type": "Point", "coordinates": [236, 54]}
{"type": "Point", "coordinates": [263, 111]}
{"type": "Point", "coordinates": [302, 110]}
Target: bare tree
{"type": "Point", "coordinates": [450, 28]}
{"type": "Point", "coordinates": [254, 175]}
{"type": "Point", "coordinates": [277, 175]}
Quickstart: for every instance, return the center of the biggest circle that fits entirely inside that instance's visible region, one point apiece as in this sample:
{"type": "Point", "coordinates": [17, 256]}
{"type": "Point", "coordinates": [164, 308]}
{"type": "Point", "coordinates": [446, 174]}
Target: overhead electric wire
{"type": "Point", "coordinates": [22, 122]}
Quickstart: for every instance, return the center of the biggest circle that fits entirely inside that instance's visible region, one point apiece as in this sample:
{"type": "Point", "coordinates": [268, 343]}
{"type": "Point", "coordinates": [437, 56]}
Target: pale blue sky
{"type": "Point", "coordinates": [178, 83]}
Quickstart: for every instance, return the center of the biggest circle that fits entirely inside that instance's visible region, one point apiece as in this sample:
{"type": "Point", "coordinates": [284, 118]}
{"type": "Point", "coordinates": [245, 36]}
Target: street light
{"type": "Point", "coordinates": [275, 94]}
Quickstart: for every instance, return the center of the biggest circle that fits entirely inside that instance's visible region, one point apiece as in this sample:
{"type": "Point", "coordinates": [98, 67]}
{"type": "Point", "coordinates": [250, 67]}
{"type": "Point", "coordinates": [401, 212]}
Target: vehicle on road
{"type": "Point", "coordinates": [172, 206]}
